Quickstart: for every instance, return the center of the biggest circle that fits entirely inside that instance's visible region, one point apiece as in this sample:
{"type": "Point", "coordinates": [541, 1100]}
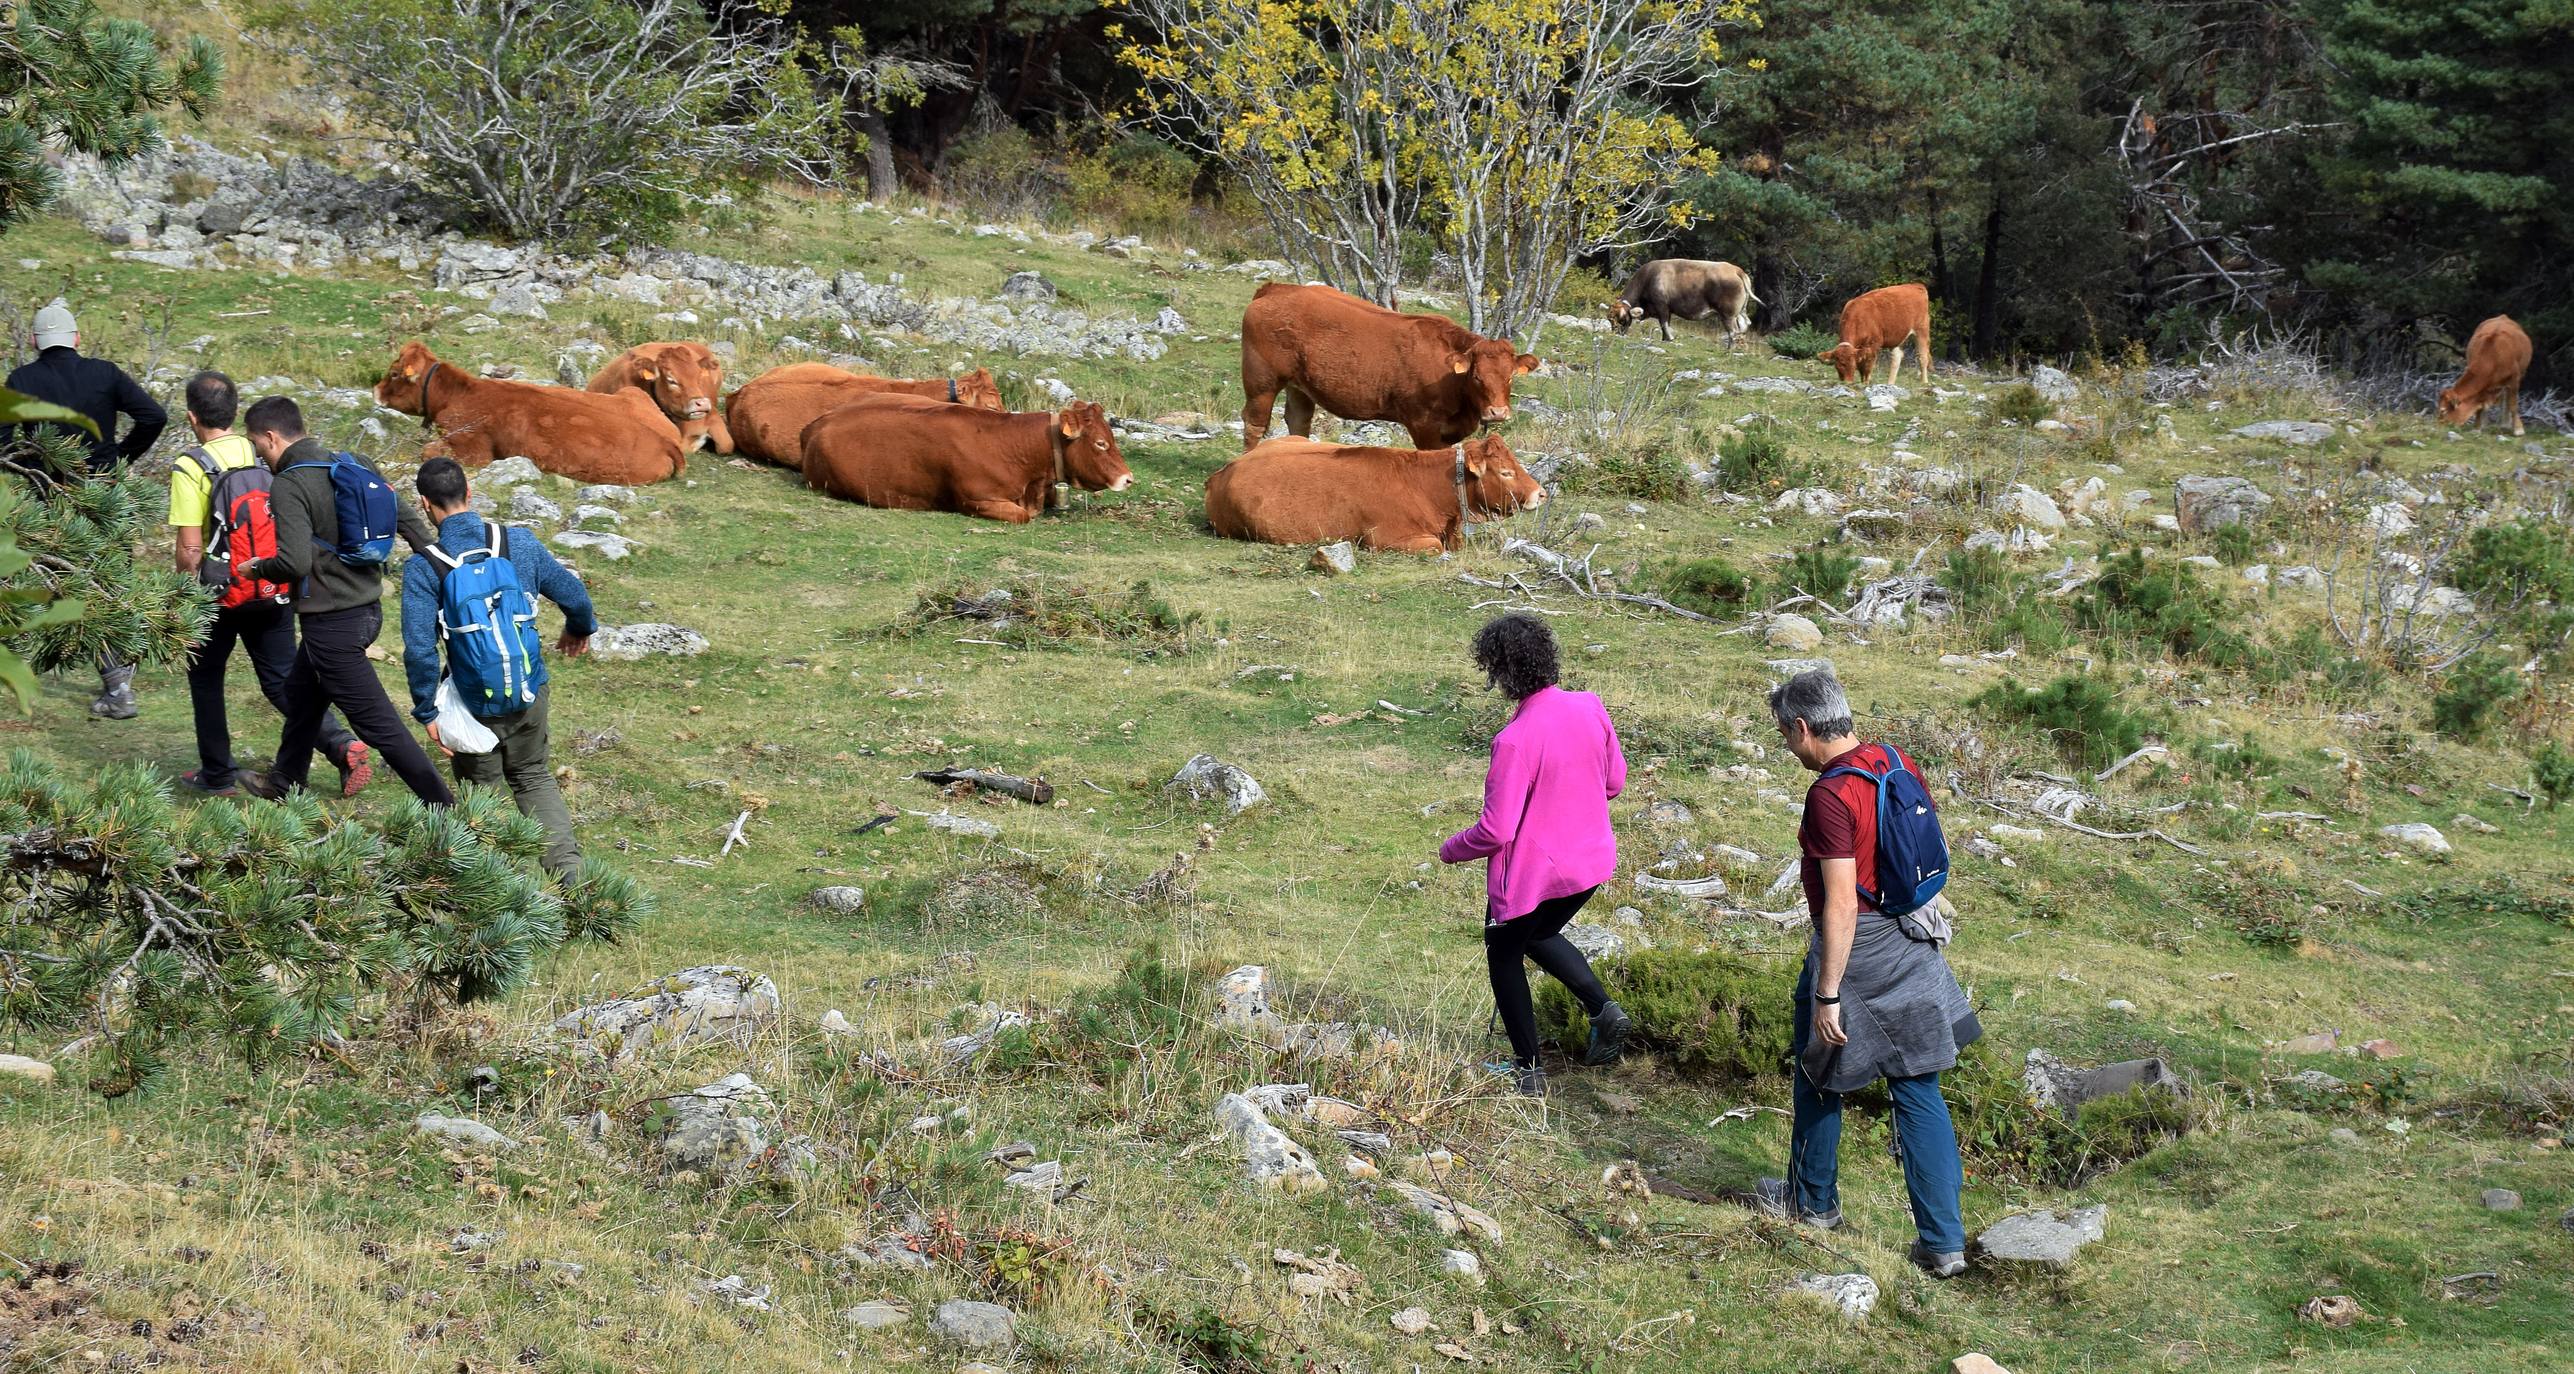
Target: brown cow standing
{"type": "Point", "coordinates": [1880, 319]}
{"type": "Point", "coordinates": [1691, 289]}
{"type": "Point", "coordinates": [621, 438]}
{"type": "Point", "coordinates": [2497, 356]}
{"type": "Point", "coordinates": [1363, 362]}
{"type": "Point", "coordinates": [769, 413]}
{"type": "Point", "coordinates": [913, 453]}
{"type": "Point", "coordinates": [683, 379]}
{"type": "Point", "coordinates": [1298, 491]}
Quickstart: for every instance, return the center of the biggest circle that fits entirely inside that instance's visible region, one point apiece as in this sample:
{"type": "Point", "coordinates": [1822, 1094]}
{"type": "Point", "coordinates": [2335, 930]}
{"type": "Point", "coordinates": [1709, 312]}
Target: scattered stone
{"type": "Point", "coordinates": [1807, 501]}
{"type": "Point", "coordinates": [2343, 1135]}
{"type": "Point", "coordinates": [2336, 1311]}
{"type": "Point", "coordinates": [606, 494]}
{"type": "Point", "coordinates": [1854, 1294]}
{"type": "Point", "coordinates": [2378, 1049]}
{"type": "Point", "coordinates": [2321, 1042]}
{"type": "Point", "coordinates": [1975, 1362]}
{"type": "Point", "coordinates": [2052, 384]}
{"type": "Point", "coordinates": [1028, 286]}
{"type": "Point", "coordinates": [2298, 432]}
{"type": "Point", "coordinates": [2042, 1237]}
{"type": "Point", "coordinates": [1205, 778]}
{"type": "Point", "coordinates": [710, 1002]}
{"type": "Point", "coordinates": [1338, 558]}
{"type": "Point", "coordinates": [2417, 836]}
{"type": "Point", "coordinates": [877, 1314]}
{"type": "Point", "coordinates": [511, 472]}
{"type": "Point", "coordinates": [465, 1242]}
{"type": "Point", "coordinates": [463, 1130]}
{"type": "Point", "coordinates": [2063, 1088]}
{"type": "Point", "coordinates": [651, 639]}
{"type": "Point", "coordinates": [840, 900]}
{"type": "Point", "coordinates": [1886, 395]}
{"type": "Point", "coordinates": [2207, 503]}
{"type": "Point", "coordinates": [977, 1325]}
{"type": "Point", "coordinates": [1595, 942]}
{"type": "Point", "coordinates": [991, 1019]}
{"type": "Point", "coordinates": [1242, 996]}
{"type": "Point", "coordinates": [833, 1023]}
{"type": "Point", "coordinates": [1270, 1157]}
{"type": "Point", "coordinates": [1793, 633]}
{"type": "Point", "coordinates": [20, 1066]}
{"type": "Point", "coordinates": [2477, 825]}
{"type": "Point", "coordinates": [735, 1289]}
{"type": "Point", "coordinates": [2017, 834]}
{"type": "Point", "coordinates": [2499, 1200]}
{"type": "Point", "coordinates": [2029, 506]}
{"type": "Point", "coordinates": [1668, 813]}
{"type": "Point", "coordinates": [726, 1129]}
{"type": "Point", "coordinates": [1464, 1265]}
{"type": "Point", "coordinates": [613, 547]}
{"type": "Point", "coordinates": [526, 503]}
{"type": "Point", "coordinates": [588, 516]}
{"type": "Point", "coordinates": [1411, 1321]}
{"type": "Point", "coordinates": [1319, 1276]}
{"type": "Point", "coordinates": [2316, 1080]}
{"type": "Point", "coordinates": [968, 826]}
{"type": "Point", "coordinates": [1449, 1215]}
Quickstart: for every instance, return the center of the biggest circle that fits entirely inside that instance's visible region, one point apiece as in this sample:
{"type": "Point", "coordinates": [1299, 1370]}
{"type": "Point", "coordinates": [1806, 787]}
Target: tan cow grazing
{"type": "Point", "coordinates": [621, 438]}
{"type": "Point", "coordinates": [683, 379]}
{"type": "Point", "coordinates": [1298, 491]}
{"type": "Point", "coordinates": [2497, 356]}
{"type": "Point", "coordinates": [1363, 362]}
{"type": "Point", "coordinates": [916, 453]}
{"type": "Point", "coordinates": [1691, 289]}
{"type": "Point", "coordinates": [1881, 319]}
{"type": "Point", "coordinates": [769, 413]}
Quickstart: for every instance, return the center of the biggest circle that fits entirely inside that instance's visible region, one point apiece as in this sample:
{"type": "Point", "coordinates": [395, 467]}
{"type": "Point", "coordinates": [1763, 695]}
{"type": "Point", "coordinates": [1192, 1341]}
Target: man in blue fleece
{"type": "Point", "coordinates": [520, 758]}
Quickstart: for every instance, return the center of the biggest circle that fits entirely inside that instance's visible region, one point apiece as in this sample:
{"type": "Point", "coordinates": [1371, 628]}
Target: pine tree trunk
{"type": "Point", "coordinates": [880, 155]}
{"type": "Point", "coordinates": [1988, 285]}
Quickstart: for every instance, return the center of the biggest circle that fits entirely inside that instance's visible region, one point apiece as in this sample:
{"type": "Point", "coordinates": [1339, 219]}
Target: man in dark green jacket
{"type": "Point", "coordinates": [339, 609]}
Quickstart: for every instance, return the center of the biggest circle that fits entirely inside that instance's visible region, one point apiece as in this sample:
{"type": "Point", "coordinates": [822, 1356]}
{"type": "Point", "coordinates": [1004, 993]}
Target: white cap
{"type": "Point", "coordinates": [55, 326]}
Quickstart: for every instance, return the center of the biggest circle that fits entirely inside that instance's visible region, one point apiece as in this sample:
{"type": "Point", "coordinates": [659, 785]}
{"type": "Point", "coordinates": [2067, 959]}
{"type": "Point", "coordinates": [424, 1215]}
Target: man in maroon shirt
{"type": "Point", "coordinates": [1876, 1000]}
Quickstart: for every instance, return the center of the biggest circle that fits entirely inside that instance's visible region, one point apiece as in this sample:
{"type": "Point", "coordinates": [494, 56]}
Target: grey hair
{"type": "Point", "coordinates": [1815, 697]}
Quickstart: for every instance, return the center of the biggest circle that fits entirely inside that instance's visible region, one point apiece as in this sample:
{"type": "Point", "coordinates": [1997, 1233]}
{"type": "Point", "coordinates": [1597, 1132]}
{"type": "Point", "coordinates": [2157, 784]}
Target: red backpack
{"type": "Point", "coordinates": [240, 530]}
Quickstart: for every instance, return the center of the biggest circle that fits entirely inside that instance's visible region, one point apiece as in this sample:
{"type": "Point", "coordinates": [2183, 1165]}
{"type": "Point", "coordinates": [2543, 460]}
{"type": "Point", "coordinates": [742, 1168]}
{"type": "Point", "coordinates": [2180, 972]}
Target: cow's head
{"type": "Point", "coordinates": [1497, 483]}
{"type": "Point", "coordinates": [681, 378]}
{"type": "Point", "coordinates": [400, 388]}
{"type": "Point", "coordinates": [977, 389]}
{"type": "Point", "coordinates": [1621, 314]}
{"type": "Point", "coordinates": [1852, 361]}
{"type": "Point", "coordinates": [1089, 448]}
{"type": "Point", "coordinates": [2458, 406]}
{"type": "Point", "coordinates": [1489, 368]}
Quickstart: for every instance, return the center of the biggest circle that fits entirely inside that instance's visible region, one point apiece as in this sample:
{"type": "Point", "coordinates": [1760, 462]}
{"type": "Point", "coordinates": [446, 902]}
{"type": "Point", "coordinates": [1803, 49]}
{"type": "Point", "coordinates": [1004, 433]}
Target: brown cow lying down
{"type": "Point", "coordinates": [1297, 491]}
{"type": "Point", "coordinates": [769, 413]}
{"type": "Point", "coordinates": [622, 438]}
{"type": "Point", "coordinates": [1363, 362]}
{"type": "Point", "coordinates": [683, 379]}
{"type": "Point", "coordinates": [1879, 319]}
{"type": "Point", "coordinates": [912, 453]}
{"type": "Point", "coordinates": [1689, 289]}
{"type": "Point", "coordinates": [2497, 355]}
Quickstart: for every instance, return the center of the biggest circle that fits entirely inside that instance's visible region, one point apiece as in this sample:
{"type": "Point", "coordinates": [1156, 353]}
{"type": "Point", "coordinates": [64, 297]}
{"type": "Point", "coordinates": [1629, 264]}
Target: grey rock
{"type": "Point", "coordinates": [726, 1129]}
{"type": "Point", "coordinates": [1792, 632]}
{"type": "Point", "coordinates": [1784, 668]}
{"type": "Point", "coordinates": [841, 900]}
{"type": "Point", "coordinates": [2414, 835]}
{"type": "Point", "coordinates": [2052, 384]}
{"type": "Point", "coordinates": [1242, 996]}
{"type": "Point", "coordinates": [975, 1325]}
{"type": "Point", "coordinates": [1854, 1294]}
{"type": "Point", "coordinates": [1448, 1214]}
{"type": "Point", "coordinates": [613, 547]}
{"type": "Point", "coordinates": [2042, 1237]}
{"type": "Point", "coordinates": [2343, 1135]}
{"type": "Point", "coordinates": [510, 472]}
{"type": "Point", "coordinates": [589, 516]}
{"type": "Point", "coordinates": [877, 1314]}
{"type": "Point", "coordinates": [2318, 1081]}
{"type": "Point", "coordinates": [709, 1002]}
{"type": "Point", "coordinates": [2207, 503]}
{"type": "Point", "coordinates": [1595, 942]}
{"type": "Point", "coordinates": [967, 826]}
{"type": "Point", "coordinates": [737, 1290]}
{"type": "Point", "coordinates": [1668, 812]}
{"type": "Point", "coordinates": [1169, 321]}
{"type": "Point", "coordinates": [1205, 778]}
{"type": "Point", "coordinates": [1028, 286]}
{"type": "Point", "coordinates": [1886, 396]}
{"type": "Point", "coordinates": [2030, 506]}
{"type": "Point", "coordinates": [1269, 1156]}
{"type": "Point", "coordinates": [651, 639]}
{"type": "Point", "coordinates": [525, 503]}
{"type": "Point", "coordinates": [223, 218]}
{"type": "Point", "coordinates": [1339, 558]}
{"type": "Point", "coordinates": [2499, 1200]}
{"type": "Point", "coordinates": [2064, 1088]}
{"type": "Point", "coordinates": [606, 494]}
{"type": "Point", "coordinates": [568, 371]}
{"type": "Point", "coordinates": [463, 1130]}
{"type": "Point", "coordinates": [2299, 432]}
{"type": "Point", "coordinates": [464, 1242]}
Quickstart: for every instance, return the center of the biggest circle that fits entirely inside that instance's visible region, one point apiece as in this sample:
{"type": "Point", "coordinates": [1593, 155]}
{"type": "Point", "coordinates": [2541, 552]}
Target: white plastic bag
{"type": "Point", "coordinates": [457, 728]}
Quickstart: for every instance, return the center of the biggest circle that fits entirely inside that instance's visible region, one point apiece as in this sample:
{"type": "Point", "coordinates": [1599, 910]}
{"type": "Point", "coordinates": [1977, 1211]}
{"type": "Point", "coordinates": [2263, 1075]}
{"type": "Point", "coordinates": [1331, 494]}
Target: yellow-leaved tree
{"type": "Point", "coordinates": [1512, 137]}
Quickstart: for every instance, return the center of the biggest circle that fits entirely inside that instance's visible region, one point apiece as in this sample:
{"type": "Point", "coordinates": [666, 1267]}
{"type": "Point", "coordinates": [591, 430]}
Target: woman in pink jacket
{"type": "Point", "coordinates": [1544, 838]}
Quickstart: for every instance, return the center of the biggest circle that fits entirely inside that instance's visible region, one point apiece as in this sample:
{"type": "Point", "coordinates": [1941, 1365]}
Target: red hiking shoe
{"type": "Point", "coordinates": [355, 771]}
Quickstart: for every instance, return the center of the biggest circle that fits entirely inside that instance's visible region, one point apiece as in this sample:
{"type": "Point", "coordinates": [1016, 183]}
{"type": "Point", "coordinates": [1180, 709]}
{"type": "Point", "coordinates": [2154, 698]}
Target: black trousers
{"type": "Point", "coordinates": [1538, 936]}
{"type": "Point", "coordinates": [265, 631]}
{"type": "Point", "coordinates": [331, 669]}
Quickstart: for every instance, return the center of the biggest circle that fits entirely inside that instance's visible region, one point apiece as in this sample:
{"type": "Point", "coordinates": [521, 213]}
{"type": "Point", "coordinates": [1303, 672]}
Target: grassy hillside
{"type": "Point", "coordinates": [294, 1219]}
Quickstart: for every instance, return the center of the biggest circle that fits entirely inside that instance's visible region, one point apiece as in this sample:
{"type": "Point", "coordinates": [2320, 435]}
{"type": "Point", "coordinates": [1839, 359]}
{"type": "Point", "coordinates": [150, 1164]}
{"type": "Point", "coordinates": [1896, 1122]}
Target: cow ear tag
{"type": "Point", "coordinates": [1459, 365]}
{"type": "Point", "coordinates": [644, 372]}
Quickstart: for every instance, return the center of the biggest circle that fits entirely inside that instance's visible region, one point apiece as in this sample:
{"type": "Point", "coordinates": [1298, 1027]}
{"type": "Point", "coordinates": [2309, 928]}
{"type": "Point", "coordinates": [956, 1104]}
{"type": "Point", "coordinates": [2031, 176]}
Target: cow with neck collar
{"type": "Point", "coordinates": [1326, 349]}
{"type": "Point", "coordinates": [769, 413]}
{"type": "Point", "coordinates": [915, 453]}
{"type": "Point", "coordinates": [622, 438]}
{"type": "Point", "coordinates": [1298, 491]}
{"type": "Point", "coordinates": [683, 380]}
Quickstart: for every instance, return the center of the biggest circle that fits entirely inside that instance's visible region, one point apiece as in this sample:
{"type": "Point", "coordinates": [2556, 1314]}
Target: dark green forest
{"type": "Point", "coordinates": [2068, 177]}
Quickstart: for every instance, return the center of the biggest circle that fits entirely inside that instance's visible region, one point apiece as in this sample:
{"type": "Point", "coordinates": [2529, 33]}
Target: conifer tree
{"type": "Point", "coordinates": [72, 77]}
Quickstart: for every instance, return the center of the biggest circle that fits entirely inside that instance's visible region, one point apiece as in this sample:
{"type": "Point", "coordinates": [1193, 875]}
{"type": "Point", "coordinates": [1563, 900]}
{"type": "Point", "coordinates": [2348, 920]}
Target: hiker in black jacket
{"type": "Point", "coordinates": [339, 608]}
{"type": "Point", "coordinates": [101, 391]}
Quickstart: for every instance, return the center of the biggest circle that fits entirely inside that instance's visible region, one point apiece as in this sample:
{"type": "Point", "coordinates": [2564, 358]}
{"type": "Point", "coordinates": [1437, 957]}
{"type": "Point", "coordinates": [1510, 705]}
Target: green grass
{"type": "Point", "coordinates": [312, 1200]}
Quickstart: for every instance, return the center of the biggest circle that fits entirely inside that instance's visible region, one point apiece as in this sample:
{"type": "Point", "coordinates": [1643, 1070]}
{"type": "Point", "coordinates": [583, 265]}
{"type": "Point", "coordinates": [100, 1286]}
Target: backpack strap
{"type": "Point", "coordinates": [204, 460]}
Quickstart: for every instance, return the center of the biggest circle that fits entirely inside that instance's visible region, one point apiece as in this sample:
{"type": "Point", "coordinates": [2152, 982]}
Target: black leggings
{"type": "Point", "coordinates": [1539, 935]}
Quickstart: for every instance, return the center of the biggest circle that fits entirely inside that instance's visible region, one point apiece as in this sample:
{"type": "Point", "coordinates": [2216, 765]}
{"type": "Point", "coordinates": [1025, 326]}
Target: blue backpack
{"type": "Point", "coordinates": [489, 624]}
{"type": "Point", "coordinates": [1912, 854]}
{"type": "Point", "coordinates": [367, 511]}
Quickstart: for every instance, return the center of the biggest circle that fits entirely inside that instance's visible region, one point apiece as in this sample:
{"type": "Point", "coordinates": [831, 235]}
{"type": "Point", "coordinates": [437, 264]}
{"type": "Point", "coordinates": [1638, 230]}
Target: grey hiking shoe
{"type": "Point", "coordinates": [1608, 1036]}
{"type": "Point", "coordinates": [1939, 1264]}
{"type": "Point", "coordinates": [1526, 1080]}
{"type": "Point", "coordinates": [115, 705]}
{"type": "Point", "coordinates": [1770, 1197]}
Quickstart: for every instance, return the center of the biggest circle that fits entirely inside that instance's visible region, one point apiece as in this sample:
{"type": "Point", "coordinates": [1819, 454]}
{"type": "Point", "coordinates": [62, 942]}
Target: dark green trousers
{"type": "Point", "coordinates": [520, 764]}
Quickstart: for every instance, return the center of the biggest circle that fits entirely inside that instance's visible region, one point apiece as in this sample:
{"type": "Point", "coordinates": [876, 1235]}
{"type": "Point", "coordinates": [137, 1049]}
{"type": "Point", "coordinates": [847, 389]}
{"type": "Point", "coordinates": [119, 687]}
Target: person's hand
{"type": "Point", "coordinates": [442, 744]}
{"type": "Point", "coordinates": [572, 645]}
{"type": "Point", "coordinates": [1827, 1023]}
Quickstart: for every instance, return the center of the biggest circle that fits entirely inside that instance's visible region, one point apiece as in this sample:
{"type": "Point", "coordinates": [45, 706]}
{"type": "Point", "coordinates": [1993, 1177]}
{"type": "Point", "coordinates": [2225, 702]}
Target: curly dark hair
{"type": "Point", "coordinates": [1517, 652]}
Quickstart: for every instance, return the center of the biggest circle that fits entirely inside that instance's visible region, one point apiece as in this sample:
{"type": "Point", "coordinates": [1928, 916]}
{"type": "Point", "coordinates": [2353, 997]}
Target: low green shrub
{"type": "Point", "coordinates": [2003, 606]}
{"type": "Point", "coordinates": [2263, 900]}
{"type": "Point", "coordinates": [1757, 459]}
{"type": "Point", "coordinates": [2487, 898]}
{"type": "Point", "coordinates": [1138, 184]}
{"type": "Point", "coordinates": [2081, 714]}
{"type": "Point", "coordinates": [1709, 586]}
{"type": "Point", "coordinates": [2163, 604]}
{"type": "Point", "coordinates": [2234, 545]}
{"type": "Point", "coordinates": [2474, 692]}
{"type": "Point", "coordinates": [2311, 659]}
{"type": "Point", "coordinates": [1648, 471]}
{"type": "Point", "coordinates": [1820, 571]}
{"type": "Point", "coordinates": [2003, 1133]}
{"type": "Point", "coordinates": [1802, 341]}
{"type": "Point", "coordinates": [2553, 769]}
{"type": "Point", "coordinates": [2021, 404]}
{"type": "Point", "coordinates": [1712, 1015]}
{"type": "Point", "coordinates": [1043, 611]}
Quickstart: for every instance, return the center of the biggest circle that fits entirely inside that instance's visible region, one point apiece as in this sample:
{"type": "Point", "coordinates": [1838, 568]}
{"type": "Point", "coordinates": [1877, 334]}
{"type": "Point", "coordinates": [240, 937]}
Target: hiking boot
{"type": "Point", "coordinates": [266, 786]}
{"type": "Point", "coordinates": [355, 771]}
{"type": "Point", "coordinates": [1608, 1036]}
{"type": "Point", "coordinates": [1771, 1198]}
{"type": "Point", "coordinates": [115, 705]}
{"type": "Point", "coordinates": [1528, 1080]}
{"type": "Point", "coordinates": [1820, 1221]}
{"type": "Point", "coordinates": [1939, 1264]}
{"type": "Point", "coordinates": [195, 781]}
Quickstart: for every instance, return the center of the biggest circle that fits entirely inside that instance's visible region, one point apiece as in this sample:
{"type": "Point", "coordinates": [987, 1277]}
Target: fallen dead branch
{"type": "Point", "coordinates": [1578, 574]}
{"type": "Point", "coordinates": [1034, 791]}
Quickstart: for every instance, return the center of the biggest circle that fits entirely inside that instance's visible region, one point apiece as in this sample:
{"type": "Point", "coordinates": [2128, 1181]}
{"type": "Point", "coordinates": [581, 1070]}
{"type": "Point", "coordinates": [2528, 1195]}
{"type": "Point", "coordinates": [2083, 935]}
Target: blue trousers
{"type": "Point", "coordinates": [1933, 1173]}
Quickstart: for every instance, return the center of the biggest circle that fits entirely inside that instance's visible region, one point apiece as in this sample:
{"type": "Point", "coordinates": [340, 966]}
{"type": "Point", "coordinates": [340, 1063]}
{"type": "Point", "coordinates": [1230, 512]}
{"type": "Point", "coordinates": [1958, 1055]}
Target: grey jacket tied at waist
{"type": "Point", "coordinates": [1901, 1007]}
